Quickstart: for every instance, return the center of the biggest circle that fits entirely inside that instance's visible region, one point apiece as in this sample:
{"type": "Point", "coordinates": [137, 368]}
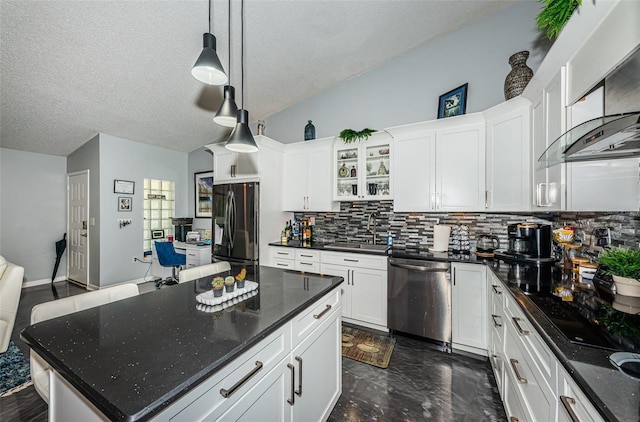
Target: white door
{"type": "Point", "coordinates": [77, 226]}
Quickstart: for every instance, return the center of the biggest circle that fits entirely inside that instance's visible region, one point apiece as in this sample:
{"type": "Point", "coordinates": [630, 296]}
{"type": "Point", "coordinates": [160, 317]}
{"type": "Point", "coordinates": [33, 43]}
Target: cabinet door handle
{"type": "Point", "coordinates": [518, 327]}
{"type": "Point", "coordinates": [299, 392]}
{"type": "Point", "coordinates": [233, 170]}
{"type": "Point", "coordinates": [566, 403]}
{"type": "Point", "coordinates": [321, 314]}
{"type": "Point", "coordinates": [514, 419]}
{"type": "Point", "coordinates": [495, 289]}
{"type": "Point", "coordinates": [433, 201]}
{"type": "Point", "coordinates": [353, 277]}
{"type": "Point", "coordinates": [519, 377]}
{"type": "Point", "coordinates": [495, 322]}
{"type": "Point", "coordinates": [292, 400]}
{"type": "Point", "coordinates": [234, 388]}
{"type": "Point", "coordinates": [438, 200]}
{"type": "Point", "coordinates": [486, 199]}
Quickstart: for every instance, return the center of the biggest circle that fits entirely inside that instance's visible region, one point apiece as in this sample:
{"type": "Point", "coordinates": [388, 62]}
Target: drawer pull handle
{"type": "Point", "coordinates": [229, 392]}
{"type": "Point", "coordinates": [495, 289]}
{"type": "Point", "coordinates": [306, 256]}
{"type": "Point", "coordinates": [518, 327]}
{"type": "Point", "coordinates": [299, 392]}
{"type": "Point", "coordinates": [519, 377]}
{"type": "Point", "coordinates": [321, 314]}
{"type": "Point", "coordinates": [282, 265]}
{"type": "Point", "coordinates": [495, 322]}
{"type": "Point", "coordinates": [292, 368]}
{"type": "Point", "coordinates": [282, 253]}
{"type": "Point", "coordinates": [351, 260]}
{"type": "Point", "coordinates": [306, 263]}
{"type": "Point", "coordinates": [566, 403]}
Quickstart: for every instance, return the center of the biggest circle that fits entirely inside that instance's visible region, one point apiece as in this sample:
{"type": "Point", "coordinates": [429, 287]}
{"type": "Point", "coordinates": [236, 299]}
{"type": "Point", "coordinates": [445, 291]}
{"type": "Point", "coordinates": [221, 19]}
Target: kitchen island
{"type": "Point", "coordinates": [163, 355]}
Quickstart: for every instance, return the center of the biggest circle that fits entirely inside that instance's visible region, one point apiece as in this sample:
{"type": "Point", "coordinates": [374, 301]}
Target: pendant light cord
{"type": "Point", "coordinates": [210, 16]}
{"type": "Point", "coordinates": [229, 40]}
{"type": "Point", "coordinates": [242, 49]}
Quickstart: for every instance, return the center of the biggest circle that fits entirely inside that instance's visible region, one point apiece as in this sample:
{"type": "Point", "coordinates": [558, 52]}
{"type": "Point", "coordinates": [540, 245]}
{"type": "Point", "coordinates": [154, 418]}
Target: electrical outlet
{"type": "Point", "coordinates": [135, 258]}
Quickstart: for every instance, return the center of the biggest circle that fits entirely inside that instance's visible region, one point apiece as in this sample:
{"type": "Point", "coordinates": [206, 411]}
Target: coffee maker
{"type": "Point", "coordinates": [529, 242]}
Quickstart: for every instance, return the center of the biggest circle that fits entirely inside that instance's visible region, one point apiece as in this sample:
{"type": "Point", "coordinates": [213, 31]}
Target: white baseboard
{"type": "Point", "coordinates": [42, 282]}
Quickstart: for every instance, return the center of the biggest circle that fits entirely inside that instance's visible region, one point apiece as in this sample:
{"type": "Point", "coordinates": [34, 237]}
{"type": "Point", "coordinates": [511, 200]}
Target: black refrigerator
{"type": "Point", "coordinates": [235, 223]}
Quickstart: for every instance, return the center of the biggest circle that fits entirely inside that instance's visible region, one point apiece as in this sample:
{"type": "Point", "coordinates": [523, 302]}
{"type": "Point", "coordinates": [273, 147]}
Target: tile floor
{"type": "Point", "coordinates": [421, 384]}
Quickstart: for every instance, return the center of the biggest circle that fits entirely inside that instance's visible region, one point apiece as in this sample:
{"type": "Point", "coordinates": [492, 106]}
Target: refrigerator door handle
{"type": "Point", "coordinates": [232, 217]}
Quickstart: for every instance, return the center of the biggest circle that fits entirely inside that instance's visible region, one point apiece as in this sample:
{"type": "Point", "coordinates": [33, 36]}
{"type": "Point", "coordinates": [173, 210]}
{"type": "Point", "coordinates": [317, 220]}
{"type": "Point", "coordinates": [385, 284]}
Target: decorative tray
{"type": "Point", "coordinates": [207, 297]}
{"type": "Point", "coordinates": [215, 308]}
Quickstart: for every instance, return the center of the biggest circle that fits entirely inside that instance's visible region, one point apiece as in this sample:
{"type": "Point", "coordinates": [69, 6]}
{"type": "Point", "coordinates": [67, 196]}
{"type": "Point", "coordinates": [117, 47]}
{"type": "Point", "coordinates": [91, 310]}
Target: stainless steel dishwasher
{"type": "Point", "coordinates": [419, 299]}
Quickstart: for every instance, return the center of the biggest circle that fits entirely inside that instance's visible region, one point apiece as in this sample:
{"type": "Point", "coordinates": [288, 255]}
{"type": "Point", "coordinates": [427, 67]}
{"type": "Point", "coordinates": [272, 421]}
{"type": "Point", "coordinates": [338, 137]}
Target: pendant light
{"type": "Point", "coordinates": [208, 68]}
{"type": "Point", "coordinates": [241, 139]}
{"type": "Point", "coordinates": [228, 111]}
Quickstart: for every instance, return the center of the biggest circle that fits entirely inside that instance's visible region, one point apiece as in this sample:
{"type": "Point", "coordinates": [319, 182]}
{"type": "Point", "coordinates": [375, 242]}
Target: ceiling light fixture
{"type": "Point", "coordinates": [208, 68]}
{"type": "Point", "coordinates": [228, 111]}
{"type": "Point", "coordinates": [241, 139]}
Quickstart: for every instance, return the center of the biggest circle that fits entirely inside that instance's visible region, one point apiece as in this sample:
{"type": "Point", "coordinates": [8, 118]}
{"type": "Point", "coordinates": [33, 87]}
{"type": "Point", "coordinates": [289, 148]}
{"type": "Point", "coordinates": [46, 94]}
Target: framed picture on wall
{"type": "Point", "coordinates": [203, 193]}
{"type": "Point", "coordinates": [124, 203]}
{"type": "Point", "coordinates": [453, 103]}
{"type": "Point", "coordinates": [123, 186]}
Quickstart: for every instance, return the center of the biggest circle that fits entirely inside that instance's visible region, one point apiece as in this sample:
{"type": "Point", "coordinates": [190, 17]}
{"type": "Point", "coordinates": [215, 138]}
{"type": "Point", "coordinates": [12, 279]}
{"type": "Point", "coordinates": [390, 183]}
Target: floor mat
{"type": "Point", "coordinates": [366, 346]}
{"type": "Point", "coordinates": [14, 369]}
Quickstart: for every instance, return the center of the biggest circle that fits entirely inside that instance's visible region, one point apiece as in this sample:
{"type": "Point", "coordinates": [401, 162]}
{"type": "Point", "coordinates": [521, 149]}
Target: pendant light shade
{"type": "Point", "coordinates": [241, 139]}
{"type": "Point", "coordinates": [228, 111]}
{"type": "Point", "coordinates": [208, 68]}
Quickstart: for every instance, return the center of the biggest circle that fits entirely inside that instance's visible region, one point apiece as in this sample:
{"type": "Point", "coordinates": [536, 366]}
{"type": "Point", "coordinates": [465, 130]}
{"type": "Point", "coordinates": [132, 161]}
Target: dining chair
{"type": "Point", "coordinates": [203, 271]}
{"type": "Point", "coordinates": [168, 257]}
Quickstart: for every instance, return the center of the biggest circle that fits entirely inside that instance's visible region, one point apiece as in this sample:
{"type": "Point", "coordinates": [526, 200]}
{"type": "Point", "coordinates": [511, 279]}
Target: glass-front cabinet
{"type": "Point", "coordinates": [362, 169]}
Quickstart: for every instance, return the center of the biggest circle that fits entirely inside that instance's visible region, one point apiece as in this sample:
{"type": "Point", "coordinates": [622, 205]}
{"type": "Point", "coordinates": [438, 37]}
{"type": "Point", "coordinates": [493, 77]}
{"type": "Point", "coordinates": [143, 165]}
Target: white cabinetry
{"type": "Point", "coordinates": [363, 170]}
{"type": "Point", "coordinates": [496, 330]}
{"type": "Point", "coordinates": [549, 122]}
{"type": "Point", "coordinates": [307, 176]}
{"type": "Point", "coordinates": [365, 287]}
{"type": "Point", "coordinates": [508, 156]}
{"type": "Point", "coordinates": [440, 165]}
{"type": "Point", "coordinates": [573, 405]}
{"type": "Point", "coordinates": [299, 259]}
{"type": "Point", "coordinates": [233, 167]}
{"type": "Point", "coordinates": [469, 308]}
{"type": "Point", "coordinates": [282, 257]}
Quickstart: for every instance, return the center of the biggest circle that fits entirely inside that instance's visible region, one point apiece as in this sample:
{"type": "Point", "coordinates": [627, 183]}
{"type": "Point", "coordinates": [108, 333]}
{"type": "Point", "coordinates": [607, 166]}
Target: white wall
{"type": "Point", "coordinates": [33, 198]}
{"type": "Point", "coordinates": [406, 90]}
{"type": "Point", "coordinates": [127, 160]}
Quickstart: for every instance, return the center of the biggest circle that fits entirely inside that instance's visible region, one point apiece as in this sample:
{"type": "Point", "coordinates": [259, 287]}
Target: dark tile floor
{"type": "Point", "coordinates": [421, 384]}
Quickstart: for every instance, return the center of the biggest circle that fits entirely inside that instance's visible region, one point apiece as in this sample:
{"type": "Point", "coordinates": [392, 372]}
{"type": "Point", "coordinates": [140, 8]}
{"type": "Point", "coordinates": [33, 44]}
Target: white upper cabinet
{"type": "Point", "coordinates": [440, 165]}
{"type": "Point", "coordinates": [508, 157]}
{"type": "Point", "coordinates": [307, 176]}
{"type": "Point", "coordinates": [363, 169]}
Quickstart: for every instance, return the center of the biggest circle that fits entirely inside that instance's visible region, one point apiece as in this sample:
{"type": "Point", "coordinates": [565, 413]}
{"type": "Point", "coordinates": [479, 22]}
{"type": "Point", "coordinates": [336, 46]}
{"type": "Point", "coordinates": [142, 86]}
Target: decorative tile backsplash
{"type": "Point", "coordinates": [416, 229]}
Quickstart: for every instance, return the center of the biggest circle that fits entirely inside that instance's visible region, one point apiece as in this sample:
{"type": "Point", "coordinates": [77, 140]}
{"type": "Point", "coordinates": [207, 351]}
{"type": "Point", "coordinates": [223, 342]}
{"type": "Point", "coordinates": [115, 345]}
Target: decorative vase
{"type": "Point", "coordinates": [260, 127]}
{"type": "Point", "coordinates": [519, 77]}
{"type": "Point", "coordinates": [309, 131]}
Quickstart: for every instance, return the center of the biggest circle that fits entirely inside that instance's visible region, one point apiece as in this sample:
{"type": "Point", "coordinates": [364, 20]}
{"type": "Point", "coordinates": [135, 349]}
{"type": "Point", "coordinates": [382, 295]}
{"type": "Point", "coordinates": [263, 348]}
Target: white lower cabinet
{"type": "Point", "coordinates": [298, 259]}
{"type": "Point", "coordinates": [572, 403]}
{"type": "Point", "coordinates": [365, 287]}
{"type": "Point", "coordinates": [469, 308]}
{"type": "Point", "coordinates": [496, 330]}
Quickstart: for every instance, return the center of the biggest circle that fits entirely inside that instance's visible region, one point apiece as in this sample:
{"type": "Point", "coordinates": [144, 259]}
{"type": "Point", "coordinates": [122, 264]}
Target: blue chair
{"type": "Point", "coordinates": [168, 257]}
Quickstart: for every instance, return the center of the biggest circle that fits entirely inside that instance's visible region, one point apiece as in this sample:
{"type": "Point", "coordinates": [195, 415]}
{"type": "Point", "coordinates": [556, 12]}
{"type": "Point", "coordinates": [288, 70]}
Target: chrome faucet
{"type": "Point", "coordinates": [372, 216]}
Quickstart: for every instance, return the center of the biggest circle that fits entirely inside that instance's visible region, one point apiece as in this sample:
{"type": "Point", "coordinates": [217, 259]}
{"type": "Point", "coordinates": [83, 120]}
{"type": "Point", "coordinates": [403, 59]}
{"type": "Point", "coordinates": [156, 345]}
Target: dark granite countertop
{"type": "Point", "coordinates": [134, 357]}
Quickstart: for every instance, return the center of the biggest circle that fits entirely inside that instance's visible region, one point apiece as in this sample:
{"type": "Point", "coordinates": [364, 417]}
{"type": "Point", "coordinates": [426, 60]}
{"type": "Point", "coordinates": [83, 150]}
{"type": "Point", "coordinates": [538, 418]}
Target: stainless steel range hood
{"type": "Point", "coordinates": [603, 138]}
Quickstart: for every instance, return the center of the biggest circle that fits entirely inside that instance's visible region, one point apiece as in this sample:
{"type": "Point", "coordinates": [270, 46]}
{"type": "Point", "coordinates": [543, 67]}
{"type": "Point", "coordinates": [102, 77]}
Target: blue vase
{"type": "Point", "coordinates": [309, 131]}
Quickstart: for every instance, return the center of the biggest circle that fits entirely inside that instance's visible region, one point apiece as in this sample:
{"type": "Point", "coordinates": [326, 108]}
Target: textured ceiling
{"type": "Point", "coordinates": [71, 69]}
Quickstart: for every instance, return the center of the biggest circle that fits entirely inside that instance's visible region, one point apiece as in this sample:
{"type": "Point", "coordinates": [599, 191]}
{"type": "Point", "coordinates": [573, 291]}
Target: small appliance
{"type": "Point", "coordinates": [528, 242]}
{"type": "Point", "coordinates": [486, 244]}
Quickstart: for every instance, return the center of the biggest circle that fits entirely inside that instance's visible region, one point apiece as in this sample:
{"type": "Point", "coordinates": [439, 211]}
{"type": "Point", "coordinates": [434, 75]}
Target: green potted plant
{"type": "Point", "coordinates": [229, 284]}
{"type": "Point", "coordinates": [217, 284]}
{"type": "Point", "coordinates": [349, 135]}
{"type": "Point", "coordinates": [624, 266]}
{"type": "Point", "coordinates": [240, 278]}
{"type": "Point", "coordinates": [554, 15]}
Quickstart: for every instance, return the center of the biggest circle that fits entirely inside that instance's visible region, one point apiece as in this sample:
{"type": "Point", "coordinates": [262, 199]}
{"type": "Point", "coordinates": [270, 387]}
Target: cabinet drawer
{"type": "Point", "coordinates": [538, 352]}
{"type": "Point", "coordinates": [287, 264]}
{"type": "Point", "coordinates": [282, 253]}
{"type": "Point", "coordinates": [312, 267]}
{"type": "Point", "coordinates": [572, 399]}
{"type": "Point", "coordinates": [307, 255]}
{"type": "Point", "coordinates": [307, 321]}
{"type": "Point", "coordinates": [355, 260]}
{"type": "Point", "coordinates": [206, 399]}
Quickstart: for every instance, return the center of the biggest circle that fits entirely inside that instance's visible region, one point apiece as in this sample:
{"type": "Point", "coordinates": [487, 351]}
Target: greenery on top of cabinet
{"type": "Point", "coordinates": [554, 15]}
{"type": "Point", "coordinates": [349, 135]}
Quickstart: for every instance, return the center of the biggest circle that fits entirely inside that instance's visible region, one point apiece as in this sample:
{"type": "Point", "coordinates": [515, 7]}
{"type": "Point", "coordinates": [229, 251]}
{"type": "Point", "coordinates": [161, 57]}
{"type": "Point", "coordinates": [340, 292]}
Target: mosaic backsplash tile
{"type": "Point", "coordinates": [355, 222]}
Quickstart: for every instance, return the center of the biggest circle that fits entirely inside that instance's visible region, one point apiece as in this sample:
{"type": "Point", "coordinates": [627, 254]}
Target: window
{"type": "Point", "coordinates": [159, 209]}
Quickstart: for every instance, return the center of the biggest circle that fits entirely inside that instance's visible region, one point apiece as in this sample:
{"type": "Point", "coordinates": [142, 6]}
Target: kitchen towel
{"type": "Point", "coordinates": [441, 237]}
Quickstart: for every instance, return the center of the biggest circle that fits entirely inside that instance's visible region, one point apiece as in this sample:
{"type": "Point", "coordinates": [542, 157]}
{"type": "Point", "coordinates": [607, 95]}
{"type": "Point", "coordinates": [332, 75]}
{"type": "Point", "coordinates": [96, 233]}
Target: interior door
{"type": "Point", "coordinates": [77, 227]}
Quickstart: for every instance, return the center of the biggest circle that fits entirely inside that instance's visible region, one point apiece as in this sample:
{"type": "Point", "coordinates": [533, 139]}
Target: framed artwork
{"type": "Point", "coordinates": [157, 234]}
{"type": "Point", "coordinates": [124, 203]}
{"type": "Point", "coordinates": [123, 186]}
{"type": "Point", "coordinates": [453, 103]}
{"type": "Point", "coordinates": [203, 193]}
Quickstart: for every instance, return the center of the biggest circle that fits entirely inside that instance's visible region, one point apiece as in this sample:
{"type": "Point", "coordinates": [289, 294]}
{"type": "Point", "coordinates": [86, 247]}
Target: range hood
{"type": "Point", "coordinates": [602, 138]}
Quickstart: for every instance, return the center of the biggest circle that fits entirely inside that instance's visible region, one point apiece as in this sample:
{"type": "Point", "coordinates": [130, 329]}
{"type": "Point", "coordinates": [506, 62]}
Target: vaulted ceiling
{"type": "Point", "coordinates": [72, 69]}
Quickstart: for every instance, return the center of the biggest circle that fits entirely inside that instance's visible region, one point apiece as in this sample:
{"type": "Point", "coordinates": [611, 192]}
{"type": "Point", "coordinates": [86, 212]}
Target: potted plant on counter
{"type": "Point", "coordinates": [240, 278]}
{"type": "Point", "coordinates": [217, 284]}
{"type": "Point", "coordinates": [624, 266]}
{"type": "Point", "coordinates": [229, 284]}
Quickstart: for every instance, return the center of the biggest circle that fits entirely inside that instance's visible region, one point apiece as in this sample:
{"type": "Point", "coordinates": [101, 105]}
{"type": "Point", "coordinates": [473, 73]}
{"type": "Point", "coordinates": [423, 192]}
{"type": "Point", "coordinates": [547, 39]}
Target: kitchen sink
{"type": "Point", "coordinates": [355, 247]}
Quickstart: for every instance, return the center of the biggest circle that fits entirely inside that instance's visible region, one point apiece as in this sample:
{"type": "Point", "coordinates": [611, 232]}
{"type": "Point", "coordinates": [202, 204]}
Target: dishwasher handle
{"type": "Point", "coordinates": [419, 268]}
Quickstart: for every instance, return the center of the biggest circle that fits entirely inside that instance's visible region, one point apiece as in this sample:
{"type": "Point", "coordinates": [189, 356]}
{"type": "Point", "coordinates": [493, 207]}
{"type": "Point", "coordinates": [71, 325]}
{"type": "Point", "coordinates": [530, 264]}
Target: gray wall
{"type": "Point", "coordinates": [127, 160]}
{"type": "Point", "coordinates": [87, 157]}
{"type": "Point", "coordinates": [406, 90]}
{"type": "Point", "coordinates": [33, 201]}
{"type": "Point", "coordinates": [199, 160]}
